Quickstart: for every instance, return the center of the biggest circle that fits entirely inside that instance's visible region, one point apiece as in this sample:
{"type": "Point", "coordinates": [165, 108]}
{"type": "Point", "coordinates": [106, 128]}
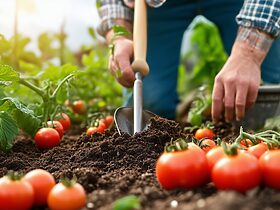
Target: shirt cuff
{"type": "Point", "coordinates": [109, 13]}
{"type": "Point", "coordinates": [263, 16]}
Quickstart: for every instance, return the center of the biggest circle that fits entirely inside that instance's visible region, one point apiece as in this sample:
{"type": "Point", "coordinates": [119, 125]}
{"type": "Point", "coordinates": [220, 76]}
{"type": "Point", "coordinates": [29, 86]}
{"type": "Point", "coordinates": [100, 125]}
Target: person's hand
{"type": "Point", "coordinates": [236, 85]}
{"type": "Point", "coordinates": [119, 61]}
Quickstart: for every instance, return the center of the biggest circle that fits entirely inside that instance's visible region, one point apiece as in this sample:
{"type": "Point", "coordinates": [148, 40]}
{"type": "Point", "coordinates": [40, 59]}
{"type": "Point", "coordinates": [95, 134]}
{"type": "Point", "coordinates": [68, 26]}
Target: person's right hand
{"type": "Point", "coordinates": [120, 61]}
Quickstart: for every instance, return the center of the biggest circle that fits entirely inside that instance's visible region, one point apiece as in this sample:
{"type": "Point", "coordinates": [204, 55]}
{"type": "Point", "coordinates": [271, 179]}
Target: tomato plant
{"type": "Point", "coordinates": [204, 133]}
{"type": "Point", "coordinates": [42, 183]}
{"type": "Point", "coordinates": [237, 171]}
{"type": "Point", "coordinates": [67, 195]}
{"type": "Point", "coordinates": [270, 167]}
{"type": "Point", "coordinates": [47, 138]}
{"type": "Point", "coordinates": [64, 120]}
{"type": "Point", "coordinates": [92, 130]}
{"type": "Point", "coordinates": [15, 193]}
{"type": "Point", "coordinates": [57, 126]}
{"type": "Point", "coordinates": [184, 167]}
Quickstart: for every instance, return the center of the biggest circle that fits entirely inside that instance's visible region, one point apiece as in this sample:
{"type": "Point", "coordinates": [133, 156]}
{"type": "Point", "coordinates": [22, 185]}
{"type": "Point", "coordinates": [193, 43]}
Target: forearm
{"type": "Point", "coordinates": [252, 44]}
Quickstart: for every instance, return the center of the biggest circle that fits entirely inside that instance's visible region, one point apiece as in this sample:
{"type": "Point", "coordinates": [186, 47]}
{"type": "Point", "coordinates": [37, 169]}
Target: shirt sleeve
{"type": "Point", "coordinates": [109, 11]}
{"type": "Point", "coordinates": [261, 14]}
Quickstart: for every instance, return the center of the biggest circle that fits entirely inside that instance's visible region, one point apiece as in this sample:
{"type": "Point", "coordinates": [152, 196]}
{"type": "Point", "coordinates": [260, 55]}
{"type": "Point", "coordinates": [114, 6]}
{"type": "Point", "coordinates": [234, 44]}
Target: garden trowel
{"type": "Point", "coordinates": [134, 120]}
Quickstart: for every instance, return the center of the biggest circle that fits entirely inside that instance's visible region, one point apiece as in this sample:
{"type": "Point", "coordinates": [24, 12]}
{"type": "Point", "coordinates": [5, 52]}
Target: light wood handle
{"type": "Point", "coordinates": [140, 38]}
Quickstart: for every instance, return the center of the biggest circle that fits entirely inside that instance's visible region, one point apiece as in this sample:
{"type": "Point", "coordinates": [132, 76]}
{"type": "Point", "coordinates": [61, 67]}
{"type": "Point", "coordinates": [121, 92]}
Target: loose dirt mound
{"type": "Point", "coordinates": [110, 166]}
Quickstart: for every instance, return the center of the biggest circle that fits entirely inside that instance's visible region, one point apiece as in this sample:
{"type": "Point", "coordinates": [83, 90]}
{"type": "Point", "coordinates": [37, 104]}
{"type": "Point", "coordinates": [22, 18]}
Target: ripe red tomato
{"type": "Point", "coordinates": [79, 107]}
{"type": "Point", "coordinates": [109, 120]}
{"type": "Point", "coordinates": [47, 138]}
{"type": "Point", "coordinates": [91, 130]}
{"type": "Point", "coordinates": [258, 150]}
{"type": "Point", "coordinates": [213, 156]}
{"type": "Point", "coordinates": [42, 183]}
{"type": "Point", "coordinates": [207, 145]}
{"type": "Point", "coordinates": [65, 121]}
{"type": "Point", "coordinates": [101, 127]}
{"type": "Point", "coordinates": [62, 197]}
{"type": "Point", "coordinates": [15, 194]}
{"type": "Point", "coordinates": [240, 172]}
{"type": "Point", "coordinates": [270, 167]}
{"type": "Point", "coordinates": [182, 169]}
{"type": "Point", "coordinates": [104, 122]}
{"type": "Point", "coordinates": [57, 126]}
{"type": "Point", "coordinates": [204, 133]}
{"type": "Point", "coordinates": [246, 143]}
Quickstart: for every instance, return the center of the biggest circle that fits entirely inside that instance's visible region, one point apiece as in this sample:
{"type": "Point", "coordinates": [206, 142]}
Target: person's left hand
{"type": "Point", "coordinates": [236, 85]}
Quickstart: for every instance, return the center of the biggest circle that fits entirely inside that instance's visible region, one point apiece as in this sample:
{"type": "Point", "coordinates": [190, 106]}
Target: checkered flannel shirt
{"type": "Point", "coordinates": [261, 14]}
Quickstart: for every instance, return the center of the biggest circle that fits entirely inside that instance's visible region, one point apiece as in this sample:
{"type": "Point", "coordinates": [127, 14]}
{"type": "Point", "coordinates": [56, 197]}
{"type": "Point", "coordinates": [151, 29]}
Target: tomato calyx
{"type": "Point", "coordinates": [177, 145]}
{"type": "Point", "coordinates": [230, 150]}
{"type": "Point", "coordinates": [69, 182]}
{"type": "Point", "coordinates": [14, 175]}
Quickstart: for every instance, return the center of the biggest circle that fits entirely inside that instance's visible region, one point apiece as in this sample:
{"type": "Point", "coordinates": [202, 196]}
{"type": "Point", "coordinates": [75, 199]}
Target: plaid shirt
{"type": "Point", "coordinates": [261, 14]}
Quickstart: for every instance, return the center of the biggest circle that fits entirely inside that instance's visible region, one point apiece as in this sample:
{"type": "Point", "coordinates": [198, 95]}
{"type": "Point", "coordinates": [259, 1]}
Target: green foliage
{"type": "Point", "coordinates": [8, 131]}
{"type": "Point", "coordinates": [208, 54]}
{"type": "Point", "coordinates": [130, 202]}
{"type": "Point", "coordinates": [7, 74]}
{"type": "Point", "coordinates": [23, 116]}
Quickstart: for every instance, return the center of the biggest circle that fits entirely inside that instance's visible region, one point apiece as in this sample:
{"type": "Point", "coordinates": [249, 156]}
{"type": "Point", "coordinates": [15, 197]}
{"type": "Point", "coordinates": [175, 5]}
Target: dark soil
{"type": "Point", "coordinates": [110, 166]}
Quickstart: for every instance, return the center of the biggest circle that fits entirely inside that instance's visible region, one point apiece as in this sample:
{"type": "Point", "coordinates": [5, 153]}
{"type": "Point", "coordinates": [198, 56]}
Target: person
{"type": "Point", "coordinates": [248, 30]}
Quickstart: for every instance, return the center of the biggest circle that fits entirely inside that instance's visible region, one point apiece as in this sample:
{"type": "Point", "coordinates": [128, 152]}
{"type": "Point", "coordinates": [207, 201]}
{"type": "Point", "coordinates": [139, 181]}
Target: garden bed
{"type": "Point", "coordinates": [111, 166]}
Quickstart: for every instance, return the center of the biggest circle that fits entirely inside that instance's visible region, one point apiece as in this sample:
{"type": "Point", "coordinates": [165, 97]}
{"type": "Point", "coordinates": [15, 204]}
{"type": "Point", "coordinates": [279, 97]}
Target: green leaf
{"type": "Point", "coordinates": [130, 202]}
{"type": "Point", "coordinates": [92, 32]}
{"type": "Point", "coordinates": [8, 131]}
{"type": "Point", "coordinates": [120, 31]}
{"type": "Point", "coordinates": [24, 117]}
{"type": "Point", "coordinates": [8, 74]}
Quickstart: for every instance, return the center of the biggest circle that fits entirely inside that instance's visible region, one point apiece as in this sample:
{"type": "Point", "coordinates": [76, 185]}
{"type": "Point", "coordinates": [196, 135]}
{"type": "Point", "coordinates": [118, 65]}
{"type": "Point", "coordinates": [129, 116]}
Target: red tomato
{"type": "Point", "coordinates": [204, 133]}
{"type": "Point", "coordinates": [79, 107]}
{"type": "Point", "coordinates": [91, 130]}
{"type": "Point", "coordinates": [246, 142]}
{"type": "Point", "coordinates": [65, 121]}
{"type": "Point", "coordinates": [47, 138]}
{"type": "Point", "coordinates": [42, 183]}
{"type": "Point", "coordinates": [270, 167]}
{"type": "Point", "coordinates": [240, 172]}
{"type": "Point", "coordinates": [258, 150]}
{"type": "Point", "coordinates": [207, 145]}
{"type": "Point", "coordinates": [57, 126]}
{"type": "Point", "coordinates": [182, 169]}
{"type": "Point", "coordinates": [15, 194]}
{"type": "Point", "coordinates": [213, 156]}
{"type": "Point", "coordinates": [104, 122]}
{"type": "Point", "coordinates": [109, 120]}
{"type": "Point", "coordinates": [62, 197]}
{"type": "Point", "coordinates": [101, 127]}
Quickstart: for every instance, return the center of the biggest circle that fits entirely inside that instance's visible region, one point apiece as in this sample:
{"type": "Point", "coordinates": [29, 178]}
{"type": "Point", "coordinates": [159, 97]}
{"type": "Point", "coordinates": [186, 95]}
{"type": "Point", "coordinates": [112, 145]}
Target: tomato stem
{"type": "Point", "coordinates": [178, 145]}
{"type": "Point", "coordinates": [67, 182]}
{"type": "Point", "coordinates": [14, 175]}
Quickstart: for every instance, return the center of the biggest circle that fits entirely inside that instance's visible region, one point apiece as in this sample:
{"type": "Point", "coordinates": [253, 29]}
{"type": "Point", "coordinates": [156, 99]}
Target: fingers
{"type": "Point", "coordinates": [240, 101]}
{"type": "Point", "coordinates": [127, 75]}
{"type": "Point", "coordinates": [252, 95]}
{"type": "Point", "coordinates": [120, 68]}
{"type": "Point", "coordinates": [217, 100]}
{"type": "Point", "coordinates": [229, 99]}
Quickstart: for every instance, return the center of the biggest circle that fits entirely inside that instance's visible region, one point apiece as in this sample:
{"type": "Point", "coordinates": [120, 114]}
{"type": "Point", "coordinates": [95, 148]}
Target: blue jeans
{"type": "Point", "coordinates": [166, 26]}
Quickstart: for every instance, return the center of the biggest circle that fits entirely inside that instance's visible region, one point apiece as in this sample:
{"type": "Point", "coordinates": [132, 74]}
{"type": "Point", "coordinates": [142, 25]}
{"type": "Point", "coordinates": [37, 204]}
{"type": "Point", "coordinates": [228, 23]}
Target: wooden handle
{"type": "Point", "coordinates": [140, 38]}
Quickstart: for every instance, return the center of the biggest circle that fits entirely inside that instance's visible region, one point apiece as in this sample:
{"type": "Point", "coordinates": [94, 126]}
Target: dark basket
{"type": "Point", "coordinates": [266, 106]}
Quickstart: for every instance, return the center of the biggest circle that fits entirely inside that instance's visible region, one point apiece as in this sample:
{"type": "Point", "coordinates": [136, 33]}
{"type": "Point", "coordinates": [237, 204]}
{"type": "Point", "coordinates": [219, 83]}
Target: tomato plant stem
{"type": "Point", "coordinates": [38, 90]}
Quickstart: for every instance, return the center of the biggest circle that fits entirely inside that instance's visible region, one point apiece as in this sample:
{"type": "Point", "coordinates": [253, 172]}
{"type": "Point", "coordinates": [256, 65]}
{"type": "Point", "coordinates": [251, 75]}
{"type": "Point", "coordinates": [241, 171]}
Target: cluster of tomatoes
{"type": "Point", "coordinates": [38, 188]}
{"type": "Point", "coordinates": [50, 136]}
{"type": "Point", "coordinates": [232, 167]}
{"type": "Point", "coordinates": [103, 124]}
